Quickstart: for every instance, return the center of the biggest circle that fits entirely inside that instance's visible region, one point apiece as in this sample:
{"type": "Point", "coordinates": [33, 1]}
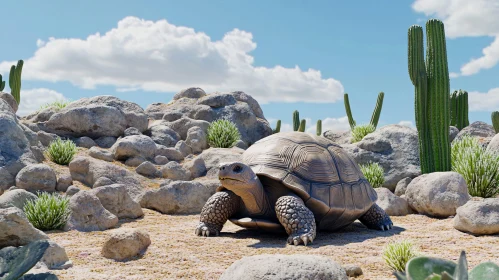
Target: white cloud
{"type": "Point", "coordinates": [159, 56]}
{"type": "Point", "coordinates": [407, 123]}
{"type": "Point", "coordinates": [32, 99]}
{"type": "Point", "coordinates": [465, 18]}
{"type": "Point", "coordinates": [488, 101]}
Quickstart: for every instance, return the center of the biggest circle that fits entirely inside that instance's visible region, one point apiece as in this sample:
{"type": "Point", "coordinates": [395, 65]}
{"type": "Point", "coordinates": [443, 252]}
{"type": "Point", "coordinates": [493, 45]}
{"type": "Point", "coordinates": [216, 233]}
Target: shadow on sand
{"type": "Point", "coordinates": [353, 233]}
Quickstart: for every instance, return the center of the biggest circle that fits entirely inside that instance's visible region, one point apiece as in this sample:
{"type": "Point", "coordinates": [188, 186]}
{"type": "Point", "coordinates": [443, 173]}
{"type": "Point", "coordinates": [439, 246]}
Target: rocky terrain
{"type": "Point", "coordinates": [140, 178]}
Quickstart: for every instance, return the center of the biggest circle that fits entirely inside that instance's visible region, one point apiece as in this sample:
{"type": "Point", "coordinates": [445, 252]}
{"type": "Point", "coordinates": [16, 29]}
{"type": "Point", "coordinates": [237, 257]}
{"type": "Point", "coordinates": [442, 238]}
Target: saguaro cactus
{"type": "Point", "coordinates": [2, 83]}
{"type": "Point", "coordinates": [377, 109]}
{"type": "Point", "coordinates": [296, 120]}
{"type": "Point", "coordinates": [431, 82]}
{"type": "Point", "coordinates": [303, 123]}
{"type": "Point", "coordinates": [495, 120]}
{"type": "Point", "coordinates": [459, 109]}
{"type": "Point", "coordinates": [318, 130]}
{"type": "Point", "coordinates": [15, 80]}
{"type": "Point", "coordinates": [277, 126]}
{"type": "Point", "coordinates": [351, 121]}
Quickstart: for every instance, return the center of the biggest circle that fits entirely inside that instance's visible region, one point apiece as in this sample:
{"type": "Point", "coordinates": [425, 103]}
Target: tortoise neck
{"type": "Point", "coordinates": [254, 198]}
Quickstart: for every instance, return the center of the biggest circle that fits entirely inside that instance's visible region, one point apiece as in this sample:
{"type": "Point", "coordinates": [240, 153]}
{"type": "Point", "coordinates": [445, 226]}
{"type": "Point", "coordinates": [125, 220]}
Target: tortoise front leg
{"type": "Point", "coordinates": [376, 218]}
{"type": "Point", "coordinates": [216, 211]}
{"type": "Point", "coordinates": [297, 219]}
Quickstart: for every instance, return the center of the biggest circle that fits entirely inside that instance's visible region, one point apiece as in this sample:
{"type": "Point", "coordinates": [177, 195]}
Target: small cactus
{"type": "Point", "coordinates": [15, 80]}
{"type": "Point", "coordinates": [2, 83]}
{"type": "Point", "coordinates": [495, 120]}
{"type": "Point", "coordinates": [351, 121]}
{"type": "Point", "coordinates": [296, 120]}
{"type": "Point", "coordinates": [303, 123]}
{"type": "Point", "coordinates": [277, 127]}
{"type": "Point", "coordinates": [319, 128]}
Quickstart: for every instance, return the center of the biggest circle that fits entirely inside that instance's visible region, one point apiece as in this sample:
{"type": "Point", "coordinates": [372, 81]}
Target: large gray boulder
{"type": "Point", "coordinates": [481, 130]}
{"type": "Point", "coordinates": [88, 214]}
{"type": "Point", "coordinates": [134, 146]}
{"type": "Point", "coordinates": [55, 257]}
{"type": "Point", "coordinates": [7, 97]}
{"type": "Point", "coordinates": [177, 197]}
{"type": "Point", "coordinates": [238, 107]}
{"type": "Point", "coordinates": [393, 147]}
{"type": "Point", "coordinates": [18, 146]}
{"type": "Point", "coordinates": [89, 170]}
{"type": "Point", "coordinates": [16, 230]}
{"type": "Point", "coordinates": [344, 137]}
{"type": "Point", "coordinates": [36, 177]}
{"type": "Point", "coordinates": [125, 243]}
{"type": "Point", "coordinates": [115, 199]}
{"type": "Point", "coordinates": [478, 217]}
{"type": "Point", "coordinates": [163, 135]}
{"type": "Point", "coordinates": [392, 204]}
{"type": "Point", "coordinates": [16, 198]}
{"type": "Point", "coordinates": [437, 194]}
{"type": "Point", "coordinates": [96, 117]}
{"type": "Point", "coordinates": [284, 267]}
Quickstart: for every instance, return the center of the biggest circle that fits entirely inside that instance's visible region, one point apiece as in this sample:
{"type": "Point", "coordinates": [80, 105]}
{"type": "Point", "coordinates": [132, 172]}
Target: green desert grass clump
{"type": "Point", "coordinates": [48, 212]}
{"type": "Point", "coordinates": [61, 151]}
{"type": "Point", "coordinates": [58, 104]}
{"type": "Point", "coordinates": [360, 131]}
{"type": "Point", "coordinates": [397, 254]}
{"type": "Point", "coordinates": [479, 167]}
{"type": "Point", "coordinates": [374, 174]}
{"type": "Point", "coordinates": [223, 134]}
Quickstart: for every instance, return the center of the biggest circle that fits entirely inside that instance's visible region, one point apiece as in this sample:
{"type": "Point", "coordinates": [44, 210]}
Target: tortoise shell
{"type": "Point", "coordinates": [319, 171]}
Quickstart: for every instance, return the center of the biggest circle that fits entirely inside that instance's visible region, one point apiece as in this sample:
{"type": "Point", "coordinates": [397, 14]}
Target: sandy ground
{"type": "Point", "coordinates": [177, 253]}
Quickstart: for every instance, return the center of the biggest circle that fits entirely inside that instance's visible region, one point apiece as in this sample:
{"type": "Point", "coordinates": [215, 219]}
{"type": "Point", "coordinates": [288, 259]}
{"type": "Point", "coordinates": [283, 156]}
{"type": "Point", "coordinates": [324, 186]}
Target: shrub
{"type": "Point", "coordinates": [48, 211]}
{"type": "Point", "coordinates": [61, 151]}
{"type": "Point", "coordinates": [58, 104]}
{"type": "Point", "coordinates": [374, 173]}
{"type": "Point", "coordinates": [359, 131]}
{"type": "Point", "coordinates": [223, 134]}
{"type": "Point", "coordinates": [397, 254]}
{"type": "Point", "coordinates": [479, 167]}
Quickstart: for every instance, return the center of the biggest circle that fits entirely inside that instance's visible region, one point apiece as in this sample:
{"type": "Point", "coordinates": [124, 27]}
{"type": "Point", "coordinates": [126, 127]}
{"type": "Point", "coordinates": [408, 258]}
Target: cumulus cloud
{"type": "Point", "coordinates": [32, 99]}
{"type": "Point", "coordinates": [162, 57]}
{"type": "Point", "coordinates": [464, 18]}
{"type": "Point", "coordinates": [407, 123]}
{"type": "Point", "coordinates": [488, 101]}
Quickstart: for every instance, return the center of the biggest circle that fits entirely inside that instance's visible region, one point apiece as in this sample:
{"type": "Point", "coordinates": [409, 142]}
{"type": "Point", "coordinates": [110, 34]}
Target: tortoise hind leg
{"type": "Point", "coordinates": [297, 219]}
{"type": "Point", "coordinates": [376, 218]}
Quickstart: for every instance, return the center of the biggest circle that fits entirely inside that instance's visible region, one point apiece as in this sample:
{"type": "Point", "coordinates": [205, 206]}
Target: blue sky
{"type": "Point", "coordinates": [287, 54]}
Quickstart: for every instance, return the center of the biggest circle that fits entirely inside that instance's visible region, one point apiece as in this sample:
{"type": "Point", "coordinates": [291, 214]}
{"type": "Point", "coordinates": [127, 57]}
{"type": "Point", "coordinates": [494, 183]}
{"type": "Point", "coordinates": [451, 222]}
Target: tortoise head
{"type": "Point", "coordinates": [237, 176]}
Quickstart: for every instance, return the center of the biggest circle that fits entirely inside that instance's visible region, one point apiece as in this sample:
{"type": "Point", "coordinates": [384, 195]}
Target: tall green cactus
{"type": "Point", "coordinates": [277, 127]}
{"type": "Point", "coordinates": [296, 120]}
{"type": "Point", "coordinates": [377, 109]}
{"type": "Point", "coordinates": [459, 109]}
{"type": "Point", "coordinates": [2, 83]}
{"type": "Point", "coordinates": [15, 80]}
{"type": "Point", "coordinates": [351, 121]}
{"type": "Point", "coordinates": [318, 130]}
{"type": "Point", "coordinates": [432, 87]}
{"type": "Point", "coordinates": [495, 120]}
{"type": "Point", "coordinates": [303, 123]}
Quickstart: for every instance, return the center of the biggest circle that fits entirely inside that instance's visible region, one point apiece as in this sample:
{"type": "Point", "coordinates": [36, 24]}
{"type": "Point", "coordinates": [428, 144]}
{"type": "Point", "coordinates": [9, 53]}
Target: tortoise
{"type": "Point", "coordinates": [294, 181]}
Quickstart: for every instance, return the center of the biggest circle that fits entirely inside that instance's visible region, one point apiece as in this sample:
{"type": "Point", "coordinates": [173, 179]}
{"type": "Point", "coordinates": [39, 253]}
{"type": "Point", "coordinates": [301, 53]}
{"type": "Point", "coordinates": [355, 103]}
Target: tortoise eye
{"type": "Point", "coordinates": [238, 168]}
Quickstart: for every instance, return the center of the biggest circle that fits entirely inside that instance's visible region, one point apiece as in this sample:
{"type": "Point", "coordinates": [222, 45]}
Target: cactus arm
{"type": "Point", "coordinates": [319, 128]}
{"type": "Point", "coordinates": [351, 121]}
{"type": "Point", "coordinates": [296, 120]}
{"type": "Point", "coordinates": [417, 73]}
{"type": "Point", "coordinates": [466, 120]}
{"type": "Point", "coordinates": [438, 91]}
{"type": "Point", "coordinates": [302, 125]}
{"type": "Point", "coordinates": [453, 108]}
{"type": "Point", "coordinates": [15, 80]}
{"type": "Point", "coordinates": [495, 120]}
{"type": "Point", "coordinates": [377, 109]}
{"type": "Point", "coordinates": [2, 83]}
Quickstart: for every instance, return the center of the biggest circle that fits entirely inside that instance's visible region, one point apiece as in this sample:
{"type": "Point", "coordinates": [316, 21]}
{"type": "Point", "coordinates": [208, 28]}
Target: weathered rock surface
{"type": "Point", "coordinates": [131, 131]}
{"type": "Point", "coordinates": [478, 217]}
{"type": "Point", "coordinates": [105, 141]}
{"type": "Point", "coordinates": [402, 186]}
{"type": "Point", "coordinates": [161, 160]}
{"type": "Point", "coordinates": [196, 167]}
{"type": "Point", "coordinates": [88, 214]}
{"type": "Point", "coordinates": [125, 243]}
{"type": "Point", "coordinates": [9, 99]}
{"type": "Point", "coordinates": [437, 194]}
{"type": "Point", "coordinates": [494, 144]}
{"type": "Point", "coordinates": [46, 138]}
{"type": "Point", "coordinates": [16, 230]}
{"type": "Point", "coordinates": [183, 148]}
{"type": "Point", "coordinates": [101, 154]}
{"type": "Point", "coordinates": [175, 171]}
{"type": "Point", "coordinates": [134, 146]}
{"type": "Point", "coordinates": [16, 198]}
{"type": "Point", "coordinates": [36, 177]}
{"type": "Point", "coordinates": [344, 137]}
{"type": "Point", "coordinates": [392, 204]}
{"type": "Point", "coordinates": [116, 200]}
{"type": "Point", "coordinates": [55, 257]}
{"type": "Point", "coordinates": [85, 142]}
{"type": "Point", "coordinates": [72, 190]}
{"type": "Point", "coordinates": [135, 161]}
{"type": "Point", "coordinates": [148, 169]}
{"type": "Point", "coordinates": [170, 153]}
{"type": "Point", "coordinates": [88, 170]}
{"type": "Point", "coordinates": [196, 139]}
{"type": "Point", "coordinates": [63, 182]}
{"type": "Point", "coordinates": [238, 107]}
{"type": "Point", "coordinates": [163, 135]}
{"type": "Point", "coordinates": [177, 197]}
{"type": "Point", "coordinates": [17, 146]}
{"type": "Point", "coordinates": [477, 129]}
{"type": "Point", "coordinates": [393, 147]}
{"type": "Point", "coordinates": [281, 267]}
{"type": "Point", "coordinates": [453, 131]}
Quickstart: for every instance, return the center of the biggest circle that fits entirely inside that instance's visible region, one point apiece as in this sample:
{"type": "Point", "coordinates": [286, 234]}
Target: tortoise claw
{"type": "Point", "coordinates": [297, 239]}
{"type": "Point", "coordinates": [205, 230]}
